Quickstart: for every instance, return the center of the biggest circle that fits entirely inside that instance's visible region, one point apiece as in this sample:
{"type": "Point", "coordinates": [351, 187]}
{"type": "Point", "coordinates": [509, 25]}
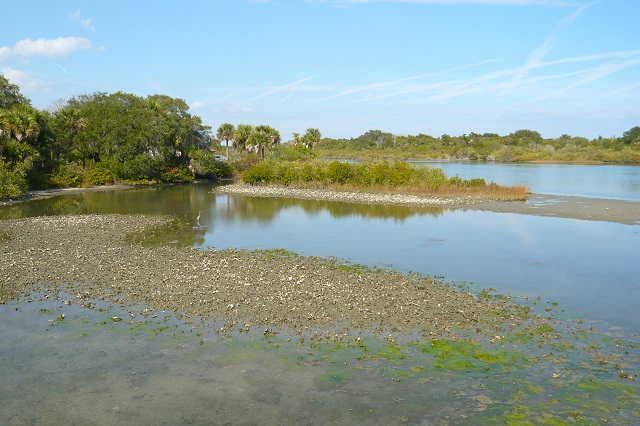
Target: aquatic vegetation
{"type": "Point", "coordinates": [515, 380]}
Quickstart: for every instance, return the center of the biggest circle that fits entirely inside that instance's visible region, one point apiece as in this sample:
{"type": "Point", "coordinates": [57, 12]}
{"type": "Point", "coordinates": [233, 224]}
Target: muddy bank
{"type": "Point", "coordinates": [619, 211]}
{"type": "Point", "coordinates": [92, 257]}
{"type": "Point", "coordinates": [627, 212]}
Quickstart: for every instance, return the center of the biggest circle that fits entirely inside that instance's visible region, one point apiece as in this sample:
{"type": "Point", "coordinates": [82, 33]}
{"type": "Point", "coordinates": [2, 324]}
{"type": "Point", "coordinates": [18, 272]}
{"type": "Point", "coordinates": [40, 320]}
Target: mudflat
{"type": "Point", "coordinates": [90, 257]}
{"type": "Point", "coordinates": [619, 211]}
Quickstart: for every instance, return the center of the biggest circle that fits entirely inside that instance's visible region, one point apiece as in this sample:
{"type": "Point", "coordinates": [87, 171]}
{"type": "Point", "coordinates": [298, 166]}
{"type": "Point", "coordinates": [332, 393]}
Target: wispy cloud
{"type": "Point", "coordinates": [539, 53]}
{"type": "Point", "coordinates": [367, 88]}
{"type": "Point", "coordinates": [622, 90]}
{"type": "Point", "coordinates": [441, 87]}
{"type": "Point", "coordinates": [85, 22]}
{"type": "Point", "coordinates": [279, 89]}
{"type": "Point", "coordinates": [411, 89]}
{"type": "Point", "coordinates": [286, 98]}
{"type": "Point", "coordinates": [225, 97]}
{"type": "Point", "coordinates": [588, 76]}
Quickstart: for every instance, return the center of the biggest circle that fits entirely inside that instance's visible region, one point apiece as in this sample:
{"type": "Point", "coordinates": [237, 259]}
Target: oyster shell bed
{"type": "Point", "coordinates": [92, 257]}
{"type": "Point", "coordinates": [344, 196]}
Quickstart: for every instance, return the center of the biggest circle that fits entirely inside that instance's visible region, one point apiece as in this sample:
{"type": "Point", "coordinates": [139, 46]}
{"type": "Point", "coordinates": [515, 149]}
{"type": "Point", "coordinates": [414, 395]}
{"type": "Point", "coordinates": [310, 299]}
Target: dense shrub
{"type": "Point", "coordinates": [286, 173]}
{"type": "Point", "coordinates": [379, 174]}
{"type": "Point", "coordinates": [339, 172]}
{"type": "Point", "coordinates": [290, 152]}
{"type": "Point", "coordinates": [101, 173]}
{"type": "Point", "coordinates": [141, 167]}
{"type": "Point", "coordinates": [12, 181]}
{"type": "Point", "coordinates": [204, 165]}
{"type": "Point", "coordinates": [260, 173]}
{"type": "Point", "coordinates": [176, 175]}
{"type": "Point", "coordinates": [68, 175]}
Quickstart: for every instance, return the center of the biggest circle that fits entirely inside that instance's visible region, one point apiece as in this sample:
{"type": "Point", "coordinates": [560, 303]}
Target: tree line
{"type": "Point", "coordinates": [102, 138]}
{"type": "Point", "coordinates": [520, 146]}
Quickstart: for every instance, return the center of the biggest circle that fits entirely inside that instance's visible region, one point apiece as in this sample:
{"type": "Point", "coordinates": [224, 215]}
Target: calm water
{"type": "Point", "coordinates": [594, 181]}
{"type": "Point", "coordinates": [588, 268]}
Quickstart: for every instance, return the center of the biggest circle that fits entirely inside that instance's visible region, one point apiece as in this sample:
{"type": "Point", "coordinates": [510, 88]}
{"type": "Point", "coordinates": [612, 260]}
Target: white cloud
{"type": "Point", "coordinates": [60, 46]}
{"type": "Point", "coordinates": [27, 83]}
{"type": "Point", "coordinates": [5, 52]}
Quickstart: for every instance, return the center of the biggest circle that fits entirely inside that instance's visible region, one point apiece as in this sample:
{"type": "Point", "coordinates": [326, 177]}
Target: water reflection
{"type": "Point", "coordinates": [587, 266]}
{"type": "Point", "coordinates": [267, 209]}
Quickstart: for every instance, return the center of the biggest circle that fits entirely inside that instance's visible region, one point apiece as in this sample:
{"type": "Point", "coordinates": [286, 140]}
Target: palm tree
{"type": "Point", "coordinates": [272, 137]}
{"type": "Point", "coordinates": [241, 136]}
{"type": "Point", "coordinates": [19, 122]}
{"type": "Point", "coordinates": [312, 137]}
{"type": "Point", "coordinates": [10, 94]}
{"type": "Point", "coordinates": [259, 139]}
{"type": "Point", "coordinates": [226, 133]}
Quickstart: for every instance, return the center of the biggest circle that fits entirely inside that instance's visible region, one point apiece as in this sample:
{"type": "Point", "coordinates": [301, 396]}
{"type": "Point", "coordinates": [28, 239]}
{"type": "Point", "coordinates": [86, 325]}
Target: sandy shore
{"type": "Point", "coordinates": [626, 212]}
{"type": "Point", "coordinates": [90, 258]}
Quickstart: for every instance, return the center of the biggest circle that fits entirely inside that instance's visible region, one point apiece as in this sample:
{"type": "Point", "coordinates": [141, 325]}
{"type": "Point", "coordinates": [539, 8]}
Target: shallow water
{"type": "Point", "coordinates": [587, 266]}
{"type": "Point", "coordinates": [88, 369]}
{"type": "Point", "coordinates": [593, 181]}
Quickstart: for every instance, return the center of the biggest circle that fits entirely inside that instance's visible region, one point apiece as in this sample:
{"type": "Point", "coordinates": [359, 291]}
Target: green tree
{"type": "Point", "coordinates": [134, 138]}
{"type": "Point", "coordinates": [264, 137]}
{"type": "Point", "coordinates": [240, 137]}
{"type": "Point", "coordinates": [225, 133]}
{"type": "Point", "coordinates": [312, 137]}
{"type": "Point", "coordinates": [19, 128]}
{"type": "Point", "coordinates": [10, 94]}
{"type": "Point", "coordinates": [19, 122]}
{"type": "Point", "coordinates": [631, 136]}
{"type": "Point", "coordinates": [259, 140]}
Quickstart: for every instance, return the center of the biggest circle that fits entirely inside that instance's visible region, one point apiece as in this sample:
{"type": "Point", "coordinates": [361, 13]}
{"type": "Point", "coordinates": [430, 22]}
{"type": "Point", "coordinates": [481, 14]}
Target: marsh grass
{"type": "Point", "coordinates": [397, 177]}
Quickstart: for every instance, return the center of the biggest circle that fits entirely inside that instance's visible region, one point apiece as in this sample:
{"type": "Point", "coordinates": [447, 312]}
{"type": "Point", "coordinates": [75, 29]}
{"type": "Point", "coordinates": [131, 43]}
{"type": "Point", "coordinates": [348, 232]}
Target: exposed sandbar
{"type": "Point", "coordinates": [627, 212]}
{"type": "Point", "coordinates": [90, 257]}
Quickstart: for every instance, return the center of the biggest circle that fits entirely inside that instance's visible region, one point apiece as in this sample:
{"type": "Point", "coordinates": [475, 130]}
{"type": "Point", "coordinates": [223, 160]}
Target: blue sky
{"type": "Point", "coordinates": [342, 66]}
